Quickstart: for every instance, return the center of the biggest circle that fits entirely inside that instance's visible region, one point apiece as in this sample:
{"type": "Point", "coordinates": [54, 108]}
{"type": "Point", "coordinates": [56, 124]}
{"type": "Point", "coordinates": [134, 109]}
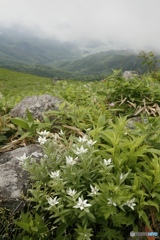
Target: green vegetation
{"type": "Point", "coordinates": [99, 176]}
{"type": "Point", "coordinates": [93, 67]}
{"type": "Point", "coordinates": [103, 63]}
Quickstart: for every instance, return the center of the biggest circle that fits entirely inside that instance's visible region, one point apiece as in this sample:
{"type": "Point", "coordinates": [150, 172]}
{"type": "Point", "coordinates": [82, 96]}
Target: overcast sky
{"type": "Point", "coordinates": [133, 22]}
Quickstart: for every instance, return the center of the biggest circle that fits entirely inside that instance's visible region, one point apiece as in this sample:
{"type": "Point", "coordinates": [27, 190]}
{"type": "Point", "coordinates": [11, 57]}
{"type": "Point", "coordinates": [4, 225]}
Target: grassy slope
{"type": "Point", "coordinates": [20, 84]}
{"type": "Point", "coordinates": [103, 62]}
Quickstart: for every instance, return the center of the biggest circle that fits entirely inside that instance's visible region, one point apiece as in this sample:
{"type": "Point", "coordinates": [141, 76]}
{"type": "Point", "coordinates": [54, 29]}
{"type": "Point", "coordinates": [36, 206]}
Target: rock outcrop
{"type": "Point", "coordinates": [13, 178]}
{"type": "Point", "coordinates": [37, 105]}
{"type": "Point", "coordinates": [130, 74]}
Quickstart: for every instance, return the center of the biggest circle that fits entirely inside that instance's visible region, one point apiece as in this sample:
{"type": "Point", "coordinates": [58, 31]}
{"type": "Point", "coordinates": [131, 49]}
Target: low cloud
{"type": "Point", "coordinates": [132, 23]}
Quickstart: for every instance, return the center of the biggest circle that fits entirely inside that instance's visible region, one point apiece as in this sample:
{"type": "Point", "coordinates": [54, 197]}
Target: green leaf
{"type": "Point", "coordinates": [110, 211]}
{"type": "Point", "coordinates": [136, 183]}
{"type": "Point", "coordinates": [24, 226]}
{"type": "Point", "coordinates": [61, 230]}
{"type": "Point", "coordinates": [20, 122]}
{"type": "Point", "coordinates": [26, 238]}
{"type": "Point", "coordinates": [151, 203]}
{"type": "Point", "coordinates": [29, 116]}
{"type": "Point", "coordinates": [147, 184]}
{"type": "Point", "coordinates": [144, 216]}
{"type": "Point", "coordinates": [153, 150]}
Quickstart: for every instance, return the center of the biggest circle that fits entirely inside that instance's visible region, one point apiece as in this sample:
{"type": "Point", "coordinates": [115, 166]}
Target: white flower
{"type": "Point", "coordinates": [36, 154]}
{"type": "Point", "coordinates": [82, 204]}
{"type": "Point", "coordinates": [111, 203]}
{"type": "Point", "coordinates": [122, 176]}
{"type": "Point", "coordinates": [61, 133]}
{"type": "Point", "coordinates": [22, 158]}
{"type": "Point", "coordinates": [107, 162]}
{"type": "Point", "coordinates": [131, 203]}
{"type": "Point", "coordinates": [43, 133]}
{"type": "Point", "coordinates": [80, 150]}
{"type": "Point", "coordinates": [55, 174]}
{"type": "Point", "coordinates": [82, 139]}
{"type": "Point", "coordinates": [70, 160]}
{"type": "Point", "coordinates": [71, 192]}
{"type": "Point", "coordinates": [55, 136]}
{"type": "Point", "coordinates": [112, 104]}
{"type": "Point", "coordinates": [53, 201]}
{"type": "Point", "coordinates": [91, 142]}
{"type": "Point", "coordinates": [94, 190]}
{"type": "Point", "coordinates": [42, 140]}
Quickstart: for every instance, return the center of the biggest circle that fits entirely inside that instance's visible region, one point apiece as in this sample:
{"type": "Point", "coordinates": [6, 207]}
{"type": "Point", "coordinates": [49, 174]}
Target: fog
{"type": "Point", "coordinates": [131, 23]}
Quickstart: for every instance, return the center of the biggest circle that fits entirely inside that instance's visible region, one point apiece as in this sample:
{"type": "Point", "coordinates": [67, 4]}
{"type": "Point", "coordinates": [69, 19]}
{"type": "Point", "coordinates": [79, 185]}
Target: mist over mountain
{"type": "Point", "coordinates": [33, 52]}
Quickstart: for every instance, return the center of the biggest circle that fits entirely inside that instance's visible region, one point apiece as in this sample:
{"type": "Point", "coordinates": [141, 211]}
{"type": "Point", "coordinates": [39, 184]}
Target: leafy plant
{"type": "Point", "coordinates": [33, 226]}
{"type": "Point", "coordinates": [150, 60]}
{"type": "Point", "coordinates": [28, 127]}
{"type": "Point", "coordinates": [88, 184]}
{"type": "Point", "coordinates": [99, 177]}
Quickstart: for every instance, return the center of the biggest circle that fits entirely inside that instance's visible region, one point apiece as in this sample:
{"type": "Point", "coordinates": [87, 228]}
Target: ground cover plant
{"type": "Point", "coordinates": [98, 177]}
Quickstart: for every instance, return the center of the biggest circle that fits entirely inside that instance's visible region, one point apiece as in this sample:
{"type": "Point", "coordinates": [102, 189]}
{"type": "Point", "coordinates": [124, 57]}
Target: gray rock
{"type": "Point", "coordinates": [13, 179]}
{"type": "Point", "coordinates": [130, 74]}
{"type": "Point", "coordinates": [37, 105]}
{"type": "Point", "coordinates": [131, 122]}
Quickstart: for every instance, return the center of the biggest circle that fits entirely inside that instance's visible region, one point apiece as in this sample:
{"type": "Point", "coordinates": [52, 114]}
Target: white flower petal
{"type": "Point", "coordinates": [71, 192]}
{"type": "Point", "coordinates": [55, 174]}
{"type": "Point", "coordinates": [42, 140]}
{"type": "Point", "coordinates": [43, 133]}
{"type": "Point", "coordinates": [53, 201]}
{"type": "Point", "coordinates": [107, 162]}
{"type": "Point", "coordinates": [94, 190]}
{"type": "Point", "coordinates": [80, 150]}
{"type": "Point", "coordinates": [23, 157]}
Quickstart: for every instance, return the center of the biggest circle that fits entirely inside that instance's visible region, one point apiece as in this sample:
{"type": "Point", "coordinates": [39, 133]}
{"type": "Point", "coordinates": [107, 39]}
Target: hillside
{"type": "Point", "coordinates": [20, 84]}
{"type": "Point", "coordinates": [103, 63]}
{"type": "Point", "coordinates": [25, 47]}
{"type": "Point", "coordinates": [25, 52]}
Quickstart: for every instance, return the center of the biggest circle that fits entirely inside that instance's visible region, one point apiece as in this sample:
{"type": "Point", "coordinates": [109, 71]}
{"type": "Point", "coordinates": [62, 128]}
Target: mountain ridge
{"type": "Point", "coordinates": [26, 52]}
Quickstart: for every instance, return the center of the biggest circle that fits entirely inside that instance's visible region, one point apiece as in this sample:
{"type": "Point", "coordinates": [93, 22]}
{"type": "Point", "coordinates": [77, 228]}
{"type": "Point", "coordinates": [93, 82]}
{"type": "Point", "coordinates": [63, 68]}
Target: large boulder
{"type": "Point", "coordinates": [13, 178]}
{"type": "Point", "coordinates": [37, 105]}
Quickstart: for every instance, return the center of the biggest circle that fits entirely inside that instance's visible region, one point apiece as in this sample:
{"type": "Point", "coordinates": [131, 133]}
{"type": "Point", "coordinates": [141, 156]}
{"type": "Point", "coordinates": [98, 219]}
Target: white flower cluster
{"type": "Point", "coordinates": [81, 150]}
{"type": "Point", "coordinates": [81, 204]}
{"type": "Point", "coordinates": [89, 142]}
{"type": "Point", "coordinates": [129, 203]}
{"type": "Point", "coordinates": [42, 139]}
{"type": "Point", "coordinates": [22, 159]}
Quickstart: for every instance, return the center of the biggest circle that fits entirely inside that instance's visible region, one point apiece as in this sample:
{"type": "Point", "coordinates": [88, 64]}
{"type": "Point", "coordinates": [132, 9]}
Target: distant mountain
{"type": "Point", "coordinates": [103, 62]}
{"type": "Point", "coordinates": [24, 51]}
{"type": "Point", "coordinates": [18, 47]}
